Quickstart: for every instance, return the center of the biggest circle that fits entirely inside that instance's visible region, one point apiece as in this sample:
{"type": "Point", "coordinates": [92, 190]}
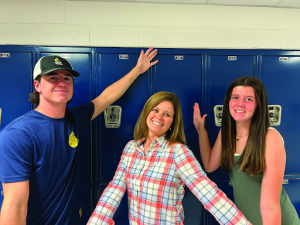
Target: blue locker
{"type": "Point", "coordinates": [292, 187]}
{"type": "Point", "coordinates": [82, 62]}
{"type": "Point", "coordinates": [182, 77]}
{"type": "Point", "coordinates": [113, 140]}
{"type": "Point", "coordinates": [181, 74]}
{"type": "Point", "coordinates": [281, 80]}
{"type": "Point", "coordinates": [15, 85]}
{"type": "Point", "coordinates": [222, 70]}
{"type": "Point", "coordinates": [87, 193]}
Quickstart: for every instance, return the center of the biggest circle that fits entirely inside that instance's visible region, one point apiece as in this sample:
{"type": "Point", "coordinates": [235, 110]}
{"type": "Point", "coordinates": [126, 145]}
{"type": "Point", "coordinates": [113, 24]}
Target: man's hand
{"type": "Point", "coordinates": [144, 61]}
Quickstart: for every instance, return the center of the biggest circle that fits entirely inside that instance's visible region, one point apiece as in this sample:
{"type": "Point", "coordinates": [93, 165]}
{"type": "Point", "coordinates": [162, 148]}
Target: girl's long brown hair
{"type": "Point", "coordinates": [252, 160]}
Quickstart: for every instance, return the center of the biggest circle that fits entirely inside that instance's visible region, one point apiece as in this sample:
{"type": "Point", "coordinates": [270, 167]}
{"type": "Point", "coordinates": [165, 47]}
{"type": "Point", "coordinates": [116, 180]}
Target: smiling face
{"type": "Point", "coordinates": [242, 104]}
{"type": "Point", "coordinates": [160, 119]}
{"type": "Point", "coordinates": [55, 87]}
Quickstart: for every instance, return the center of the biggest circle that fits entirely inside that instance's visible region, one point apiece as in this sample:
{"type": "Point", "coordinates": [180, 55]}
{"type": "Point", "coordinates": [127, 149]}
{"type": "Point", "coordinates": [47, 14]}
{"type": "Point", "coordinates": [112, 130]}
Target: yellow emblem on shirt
{"type": "Point", "coordinates": [73, 141]}
{"type": "Point", "coordinates": [80, 212]}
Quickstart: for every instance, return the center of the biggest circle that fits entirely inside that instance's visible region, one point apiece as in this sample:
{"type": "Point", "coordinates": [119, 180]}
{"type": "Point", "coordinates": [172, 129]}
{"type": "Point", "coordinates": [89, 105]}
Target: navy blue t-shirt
{"type": "Point", "coordinates": [45, 151]}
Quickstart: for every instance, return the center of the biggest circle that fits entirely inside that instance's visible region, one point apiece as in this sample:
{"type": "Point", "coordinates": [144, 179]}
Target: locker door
{"type": "Point", "coordinates": [113, 140]}
{"type": "Point", "coordinates": [222, 71]}
{"type": "Point", "coordinates": [292, 187]}
{"type": "Point", "coordinates": [87, 193]}
{"type": "Point", "coordinates": [82, 94]}
{"type": "Point", "coordinates": [181, 74]}
{"type": "Point", "coordinates": [281, 80]}
{"type": "Point", "coordinates": [15, 85]}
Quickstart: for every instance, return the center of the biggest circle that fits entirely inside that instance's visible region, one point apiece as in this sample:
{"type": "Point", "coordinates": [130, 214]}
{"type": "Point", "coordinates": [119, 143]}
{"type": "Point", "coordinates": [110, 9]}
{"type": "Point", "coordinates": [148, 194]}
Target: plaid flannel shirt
{"type": "Point", "coordinates": [155, 184]}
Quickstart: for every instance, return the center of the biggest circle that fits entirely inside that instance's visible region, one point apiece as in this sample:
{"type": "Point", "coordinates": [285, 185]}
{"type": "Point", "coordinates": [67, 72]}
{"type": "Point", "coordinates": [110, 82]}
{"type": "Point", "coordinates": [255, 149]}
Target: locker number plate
{"type": "Point", "coordinates": [4, 55]}
{"type": "Point", "coordinates": [232, 58]}
{"type": "Point", "coordinates": [178, 57]}
{"type": "Point", "coordinates": [66, 56]}
{"type": "Point", "coordinates": [123, 56]}
{"type": "Point", "coordinates": [283, 58]}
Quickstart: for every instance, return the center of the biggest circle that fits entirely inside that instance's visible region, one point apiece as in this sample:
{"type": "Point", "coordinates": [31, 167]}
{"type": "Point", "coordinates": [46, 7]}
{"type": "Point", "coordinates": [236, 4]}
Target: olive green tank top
{"type": "Point", "coordinates": [246, 193]}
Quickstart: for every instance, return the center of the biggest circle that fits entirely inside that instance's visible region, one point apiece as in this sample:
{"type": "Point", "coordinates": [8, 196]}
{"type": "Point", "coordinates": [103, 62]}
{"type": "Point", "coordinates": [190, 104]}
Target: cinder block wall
{"type": "Point", "coordinates": [113, 24]}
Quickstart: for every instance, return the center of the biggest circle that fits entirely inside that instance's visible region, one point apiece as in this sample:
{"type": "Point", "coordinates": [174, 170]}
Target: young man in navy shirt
{"type": "Point", "coordinates": [39, 154]}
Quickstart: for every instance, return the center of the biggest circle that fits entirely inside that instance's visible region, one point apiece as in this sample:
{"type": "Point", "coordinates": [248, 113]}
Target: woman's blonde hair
{"type": "Point", "coordinates": [176, 134]}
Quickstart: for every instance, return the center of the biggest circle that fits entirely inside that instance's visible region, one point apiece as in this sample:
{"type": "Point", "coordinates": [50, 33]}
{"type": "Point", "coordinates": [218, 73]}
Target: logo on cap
{"type": "Point", "coordinates": [58, 62]}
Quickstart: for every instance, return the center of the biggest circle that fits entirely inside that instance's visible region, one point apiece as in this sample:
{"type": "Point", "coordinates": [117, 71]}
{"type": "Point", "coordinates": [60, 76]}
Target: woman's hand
{"type": "Point", "coordinates": [199, 121]}
{"type": "Point", "coordinates": [144, 60]}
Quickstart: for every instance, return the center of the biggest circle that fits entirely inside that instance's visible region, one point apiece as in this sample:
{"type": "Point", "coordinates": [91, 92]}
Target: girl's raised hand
{"type": "Point", "coordinates": [199, 121]}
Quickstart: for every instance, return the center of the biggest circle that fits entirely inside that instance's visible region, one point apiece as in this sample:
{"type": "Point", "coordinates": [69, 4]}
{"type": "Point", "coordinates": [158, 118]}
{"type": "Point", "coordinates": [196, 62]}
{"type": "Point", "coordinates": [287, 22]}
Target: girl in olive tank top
{"type": "Point", "coordinates": [252, 154]}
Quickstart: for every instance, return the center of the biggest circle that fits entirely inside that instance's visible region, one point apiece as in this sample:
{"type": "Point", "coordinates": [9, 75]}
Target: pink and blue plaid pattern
{"type": "Point", "coordinates": [155, 184]}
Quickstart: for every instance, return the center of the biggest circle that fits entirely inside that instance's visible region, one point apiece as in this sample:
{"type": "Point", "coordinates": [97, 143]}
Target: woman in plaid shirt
{"type": "Point", "coordinates": [155, 167]}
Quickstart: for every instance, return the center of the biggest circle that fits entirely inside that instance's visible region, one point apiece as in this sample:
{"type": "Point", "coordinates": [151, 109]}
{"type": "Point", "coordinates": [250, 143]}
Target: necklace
{"type": "Point", "coordinates": [240, 137]}
{"type": "Point", "coordinates": [36, 109]}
